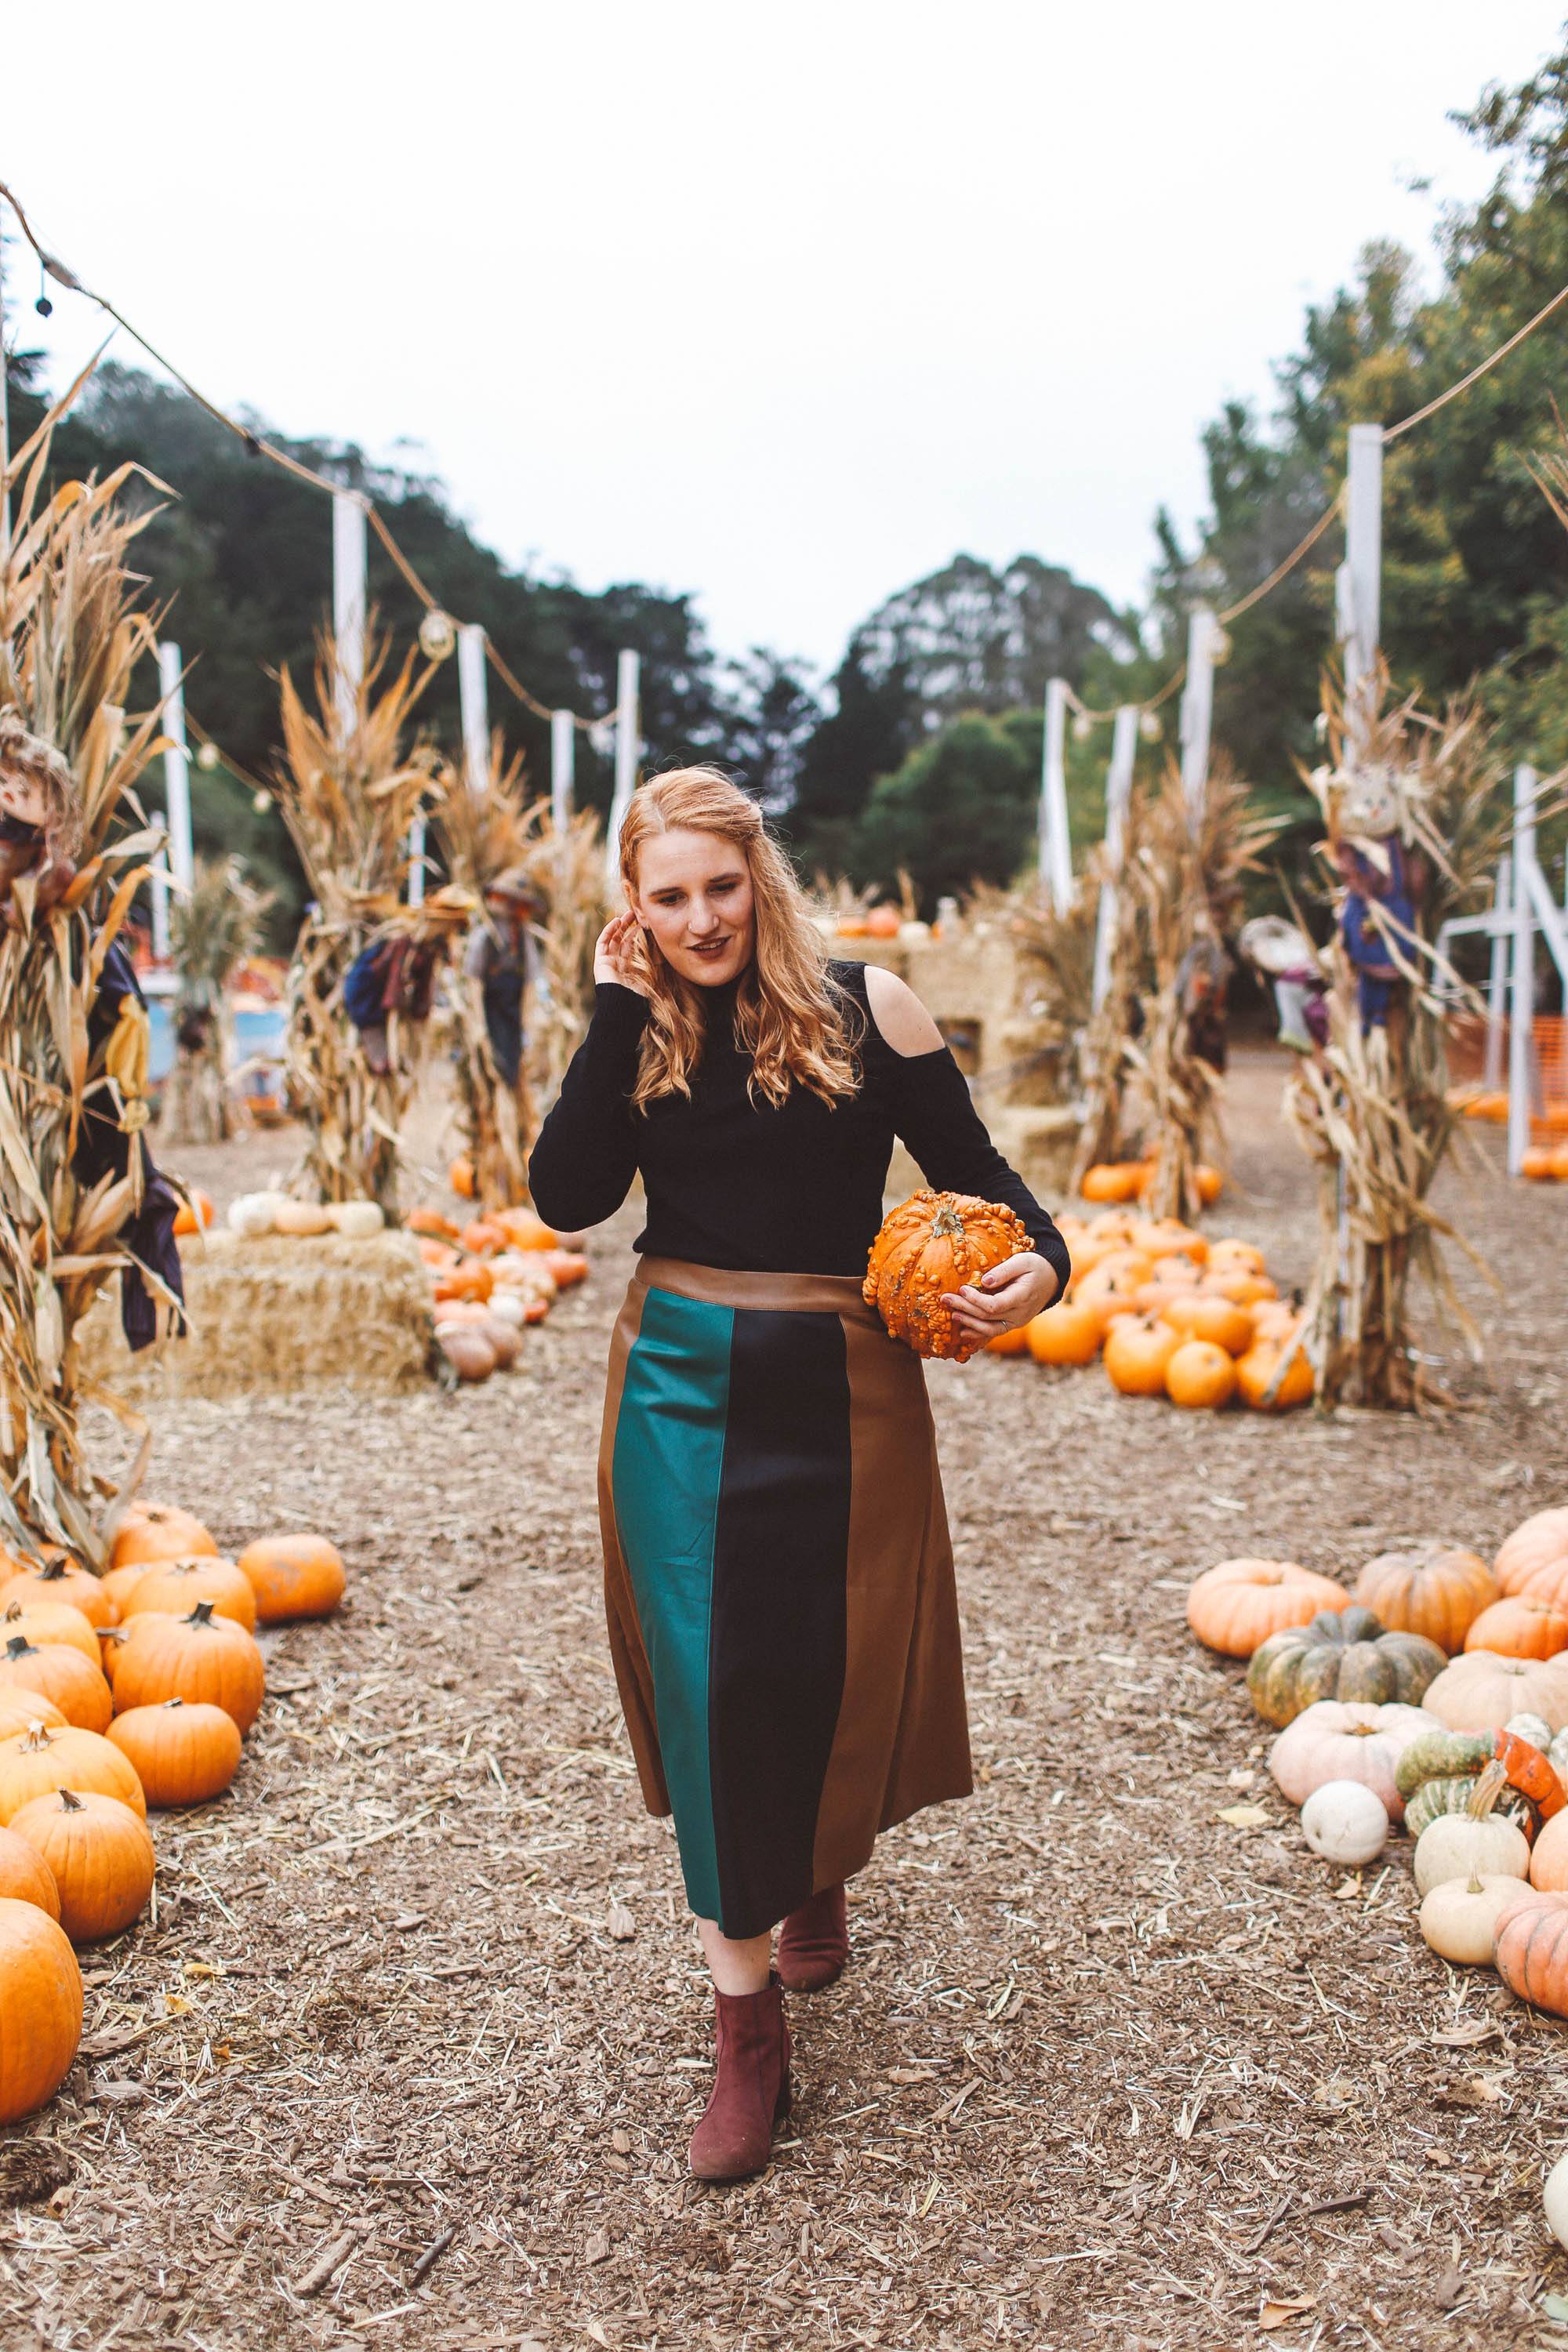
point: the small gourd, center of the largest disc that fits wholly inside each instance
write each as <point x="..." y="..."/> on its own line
<point x="1476" y="1844"/>
<point x="253" y="1213"/>
<point x="1345" y="1821"/>
<point x="1459" y="1915"/>
<point x="302" y="1219"/>
<point x="356" y="1220"/>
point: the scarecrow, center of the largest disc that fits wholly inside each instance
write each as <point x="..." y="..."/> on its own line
<point x="394" y="975"/>
<point x="502" y="957"/>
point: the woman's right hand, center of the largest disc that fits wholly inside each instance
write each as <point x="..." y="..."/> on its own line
<point x="613" y="956"/>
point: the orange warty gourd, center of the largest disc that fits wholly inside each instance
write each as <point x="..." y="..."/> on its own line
<point x="180" y="1754"/>
<point x="77" y="1688"/>
<point x="293" y="1576"/>
<point x="1064" y="1334"/>
<point x="1111" y="1180"/>
<point x="61" y="1579"/>
<point x="1429" y="1590"/>
<point x="25" y="1876"/>
<point x="1520" y="1626"/>
<point x="40" y="2009"/>
<point x="1235" y="1606"/>
<point x="100" y="1853"/>
<point x="51" y="1621"/>
<point x="1199" y="1315"/>
<point x="1534" y="1559"/>
<point x="1137" y="1351"/>
<point x="175" y="1587"/>
<point x="160" y="1531"/>
<point x="1200" y="1376"/>
<point x="1530" y="1947"/>
<point x="1258" y="1369"/>
<point x="38" y="1760"/>
<point x="201" y="1656"/>
<point x="932" y="1245"/>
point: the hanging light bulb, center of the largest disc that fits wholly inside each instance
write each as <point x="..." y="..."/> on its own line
<point x="262" y="802"/>
<point x="208" y="758"/>
<point x="1149" y="727"/>
<point x="43" y="306"/>
<point x="438" y="635"/>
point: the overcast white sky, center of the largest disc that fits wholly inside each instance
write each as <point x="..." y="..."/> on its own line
<point x="781" y="304"/>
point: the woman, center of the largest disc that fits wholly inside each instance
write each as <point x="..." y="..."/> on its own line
<point x="778" y="1578"/>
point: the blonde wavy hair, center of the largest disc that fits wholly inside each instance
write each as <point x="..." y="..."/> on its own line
<point x="791" y="1016"/>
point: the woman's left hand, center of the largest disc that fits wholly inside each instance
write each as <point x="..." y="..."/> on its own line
<point x="1012" y="1294"/>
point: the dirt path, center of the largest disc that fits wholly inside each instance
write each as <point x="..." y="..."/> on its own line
<point x="1105" y="2071"/>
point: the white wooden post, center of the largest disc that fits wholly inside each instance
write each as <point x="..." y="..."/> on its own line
<point x="1118" y="792"/>
<point x="627" y="747"/>
<point x="348" y="601"/>
<point x="1496" y="978"/>
<point x="1522" y="1008"/>
<point x="1056" y="841"/>
<point x="1196" y="725"/>
<point x="475" y="706"/>
<point x="1361" y="581"/>
<point x="562" y="768"/>
<point x="175" y="855"/>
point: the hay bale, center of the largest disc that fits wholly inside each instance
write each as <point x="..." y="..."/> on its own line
<point x="282" y="1313"/>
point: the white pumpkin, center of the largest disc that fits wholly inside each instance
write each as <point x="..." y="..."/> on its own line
<point x="1554" y="2197"/>
<point x="1459" y="1915"/>
<point x="1480" y="1690"/>
<point x="1337" y="1739"/>
<point x="1345" y="1821"/>
<point x="1476" y="1844"/>
<point x="507" y="1306"/>
<point x="301" y="1218"/>
<point x="357" y="1221"/>
<point x="253" y="1214"/>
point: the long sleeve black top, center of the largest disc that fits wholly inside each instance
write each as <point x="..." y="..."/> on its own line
<point x="749" y="1186"/>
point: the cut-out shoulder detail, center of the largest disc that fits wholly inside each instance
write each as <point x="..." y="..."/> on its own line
<point x="901" y="1020"/>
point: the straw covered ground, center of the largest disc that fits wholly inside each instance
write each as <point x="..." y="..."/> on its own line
<point x="408" y="2054"/>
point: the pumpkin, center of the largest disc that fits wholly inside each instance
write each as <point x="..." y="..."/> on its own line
<point x="1275" y="1318"/>
<point x="505" y="1342"/>
<point x="570" y="1267"/>
<point x="1536" y="1163"/>
<point x="431" y="1221"/>
<point x="1238" y="1604"/>
<point x="1478" y="1841"/>
<point x="1559" y="1162"/>
<point x="1230" y="1252"/>
<point x="119" y="1582"/>
<point x="1239" y="1284"/>
<point x="481" y="1238"/>
<point x="928" y="1248"/>
<point x="1341" y="1740"/>
<point x="1459" y="1916"/>
<point x="1275" y="1376"/>
<point x="195" y="1214"/>
<point x="468" y="1351"/>
<point x="1199" y="1315"/>
<point x="1430" y="1590"/>
<point x="437" y="1256"/>
<point x="1067" y="1333"/>
<point x="1549" y="1854"/>
<point x="883" y="923"/>
<point x="19" y="1708"/>
<point x="1113" y="1287"/>
<point x="302" y="1219"/>
<point x="180" y="1754"/>
<point x="61" y="1579"/>
<point x="1345" y="1822"/>
<point x="201" y="1656"/>
<point x="293" y="1576"/>
<point x="1555" y="2201"/>
<point x="25" y="1876"/>
<point x="1137" y="1351"/>
<point x="1534" y="1559"/>
<point x="1210" y="1183"/>
<point x="40" y="2008"/>
<point x="160" y="1531"/>
<point x="1111" y="1180"/>
<point x="470" y="1279"/>
<point x="176" y="1586"/>
<point x="1520" y="1626"/>
<point x="1006" y="1343"/>
<point x="1479" y="1690"/>
<point x="1340" y="1653"/>
<point x="1167" y="1237"/>
<point x="77" y="1688"/>
<point x="48" y="1623"/>
<point x="250" y="1214"/>
<point x="508" y="1307"/>
<point x="1530" y="1947"/>
<point x="100" y="1853"/>
<point x="356" y="1220"/>
<point x="526" y="1229"/>
<point x="460" y="1176"/>
<point x="1200" y="1376"/>
<point x="38" y="1758"/>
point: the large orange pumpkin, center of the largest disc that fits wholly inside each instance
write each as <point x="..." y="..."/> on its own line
<point x="1429" y="1590"/>
<point x="48" y="1622"/>
<point x="77" y="1688"/>
<point x="1530" y="1947"/>
<point x="1066" y="1334"/>
<point x="101" y="1854"/>
<point x="40" y="2008"/>
<point x="180" y="1754"/>
<point x="19" y="1708"/>
<point x="1520" y="1625"/>
<point x="293" y="1576"/>
<point x="1111" y="1180"/>
<point x="1199" y="1315"/>
<point x="1200" y="1376"/>
<point x="25" y="1876"/>
<point x="201" y="1656"/>
<point x="1258" y="1370"/>
<point x="160" y="1531"/>
<point x="933" y="1245"/>
<point x="38" y="1758"/>
<point x="1237" y="1605"/>
<point x="61" y="1579"/>
<point x="176" y="1586"/>
<point x="1534" y="1559"/>
<point x="1137" y="1351"/>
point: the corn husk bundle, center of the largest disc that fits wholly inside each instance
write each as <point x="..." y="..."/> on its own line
<point x="214" y="927"/>
<point x="483" y="836"/>
<point x="349" y="793"/>
<point x="567" y="868"/>
<point x="71" y="634"/>
<point x="1372" y="1110"/>
<point x="1054" y="986"/>
<point x="1104" y="1056"/>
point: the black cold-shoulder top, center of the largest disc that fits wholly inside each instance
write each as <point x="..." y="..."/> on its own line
<point x="749" y="1186"/>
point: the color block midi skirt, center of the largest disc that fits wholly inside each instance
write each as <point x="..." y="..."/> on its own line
<point x="778" y="1580"/>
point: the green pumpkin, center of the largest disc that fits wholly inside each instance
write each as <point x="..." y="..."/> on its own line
<point x="1343" y="1654"/>
<point x="1439" y="1755"/>
<point x="1451" y="1793"/>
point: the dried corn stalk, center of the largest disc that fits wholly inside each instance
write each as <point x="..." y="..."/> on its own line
<point x="71" y="634"/>
<point x="486" y="837"/>
<point x="349" y="793"/>
<point x="1372" y="1110"/>
<point x="214" y="927"/>
<point x="567" y="868"/>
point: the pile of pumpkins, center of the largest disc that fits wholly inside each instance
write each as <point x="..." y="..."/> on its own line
<point x="490" y="1279"/>
<point x="1434" y="1696"/>
<point x="120" y="1693"/>
<point x="1170" y="1314"/>
<point x="253" y="1215"/>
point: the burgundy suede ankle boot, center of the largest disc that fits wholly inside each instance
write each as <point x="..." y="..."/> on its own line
<point x="751" y="2089"/>
<point x="813" y="1942"/>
